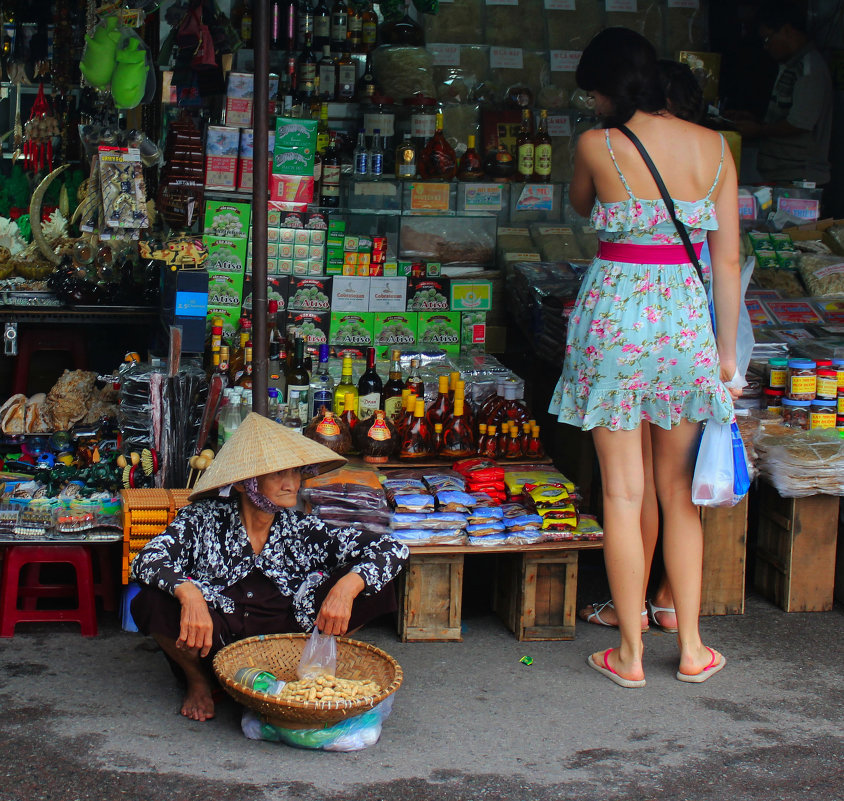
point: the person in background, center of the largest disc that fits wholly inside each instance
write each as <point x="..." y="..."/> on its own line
<point x="683" y="99"/>
<point x="640" y="344"/>
<point x="794" y="135"/>
<point x="241" y="561"/>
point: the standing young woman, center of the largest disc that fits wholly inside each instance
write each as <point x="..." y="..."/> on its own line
<point x="640" y="345"/>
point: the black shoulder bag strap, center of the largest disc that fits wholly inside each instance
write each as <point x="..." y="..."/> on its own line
<point x="681" y="229"/>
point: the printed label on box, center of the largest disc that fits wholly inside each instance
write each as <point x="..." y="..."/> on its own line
<point x="483" y="197"/>
<point x="227" y="219"/>
<point x="388" y="293"/>
<point x="559" y="125"/>
<point x="471" y="295"/>
<point x="559" y="5"/>
<point x="444" y="55"/>
<point x="538" y="197"/>
<point x="692" y="4"/>
<point x="622" y="5"/>
<point x="350" y="295"/>
<point x="506" y="58"/>
<point x="430" y="197"/>
<point x="352" y="329"/>
<point x="440" y="330"/>
<point x="793" y="311"/>
<point x="801" y="207"/>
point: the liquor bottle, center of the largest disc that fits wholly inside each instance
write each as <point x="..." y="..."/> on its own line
<point x="330" y="191"/>
<point x="339" y="26"/>
<point x="458" y="434"/>
<point x="391" y="394"/>
<point x="441" y="407"/>
<point x="272" y="403"/>
<point x="306" y="24"/>
<point x="246" y="24"/>
<point x="542" y="156"/>
<point x="292" y="416"/>
<point x="229" y="419"/>
<point x="524" y="437"/>
<point x="327" y="82"/>
<point x="236" y="361"/>
<point x="322" y="384"/>
<point x="438" y="160"/>
<point x="453" y="378"/>
<point x="471" y="166"/>
<point x="273" y="334"/>
<point x="360" y="158"/>
<point x="437" y="439"/>
<point x="406" y="159"/>
<point x="416" y="437"/>
<point x="482" y="437"/>
<point x="350" y="411"/>
<point x="355" y="35"/>
<point x="322" y="127"/>
<point x="322" y="24"/>
<point x="298" y="380"/>
<point x="346" y="77"/>
<point x="414" y="381"/>
<point x="369" y="28"/>
<point x="365" y="87"/>
<point x="370" y="387"/>
<point x="490" y="400"/>
<point x="490" y="445"/>
<point x="376" y="157"/>
<point x="460" y="394"/>
<point x="223" y="365"/>
<point x="524" y="149"/>
<point x="306" y="72"/>
<point x="535" y="449"/>
<point x="245" y="379"/>
<point x="404" y="31"/>
<point x="345" y="386"/>
<point x="503" y="436"/>
<point x="514" y="409"/>
<point x="409" y="407"/>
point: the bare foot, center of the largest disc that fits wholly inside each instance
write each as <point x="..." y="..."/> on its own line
<point x="198" y="703"/>
<point x="632" y="670"/>
<point x="695" y="662"/>
<point x="604" y="614"/>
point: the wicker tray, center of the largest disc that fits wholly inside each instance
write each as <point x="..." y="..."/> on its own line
<point x="279" y="654"/>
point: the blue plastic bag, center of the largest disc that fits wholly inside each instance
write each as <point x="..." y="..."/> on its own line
<point x="721" y="477"/>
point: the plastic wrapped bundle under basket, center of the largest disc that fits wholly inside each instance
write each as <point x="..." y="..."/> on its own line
<point x="279" y="654"/>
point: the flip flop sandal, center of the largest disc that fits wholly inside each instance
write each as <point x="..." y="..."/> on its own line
<point x="653" y="611"/>
<point x="595" y="615"/>
<point x="715" y="664"/>
<point x="611" y="674"/>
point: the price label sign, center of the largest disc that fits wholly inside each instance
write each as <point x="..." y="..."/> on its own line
<point x="565" y="60"/>
<point x="693" y="4"/>
<point x="429" y="197"/>
<point x="800" y="207"/>
<point x="559" y="125"/>
<point x="506" y="58"/>
<point x="483" y="197"/>
<point x="628" y="6"/>
<point x="445" y="55"/>
<point x="559" y="5"/>
<point x="536" y="197"/>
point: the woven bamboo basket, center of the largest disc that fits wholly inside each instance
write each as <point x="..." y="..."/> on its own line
<point x="279" y="654"/>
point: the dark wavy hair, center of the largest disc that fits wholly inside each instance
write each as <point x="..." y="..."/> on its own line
<point x="683" y="94"/>
<point x="622" y="65"/>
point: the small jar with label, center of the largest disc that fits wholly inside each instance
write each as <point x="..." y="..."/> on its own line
<point x="839" y="422"/>
<point x="795" y="413"/>
<point x="777" y="372"/>
<point x="801" y="380"/>
<point x="838" y="366"/>
<point x="772" y="399"/>
<point x="822" y="414"/>
<point x="827" y="384"/>
<point x="841" y="401"/>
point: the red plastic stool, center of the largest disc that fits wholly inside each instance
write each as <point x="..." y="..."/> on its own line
<point x="32" y="340"/>
<point x="17" y="556"/>
<point x="30" y="588"/>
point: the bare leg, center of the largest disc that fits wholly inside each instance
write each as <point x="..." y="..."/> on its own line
<point x="198" y="703"/>
<point x="622" y="477"/>
<point x="674" y="455"/>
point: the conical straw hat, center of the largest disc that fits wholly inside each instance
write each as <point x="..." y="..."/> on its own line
<point x="261" y="446"/>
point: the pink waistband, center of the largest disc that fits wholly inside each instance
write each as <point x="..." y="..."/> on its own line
<point x="646" y="254"/>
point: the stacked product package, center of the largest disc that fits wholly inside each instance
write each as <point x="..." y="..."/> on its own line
<point x="350" y="497"/>
<point x="429" y="509"/>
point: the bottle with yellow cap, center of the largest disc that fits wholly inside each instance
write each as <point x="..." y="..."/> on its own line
<point x="416" y="441"/>
<point x="346" y="386"/>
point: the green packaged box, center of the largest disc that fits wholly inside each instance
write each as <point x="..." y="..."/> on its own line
<point x="428" y="294"/>
<point x="226" y="219"/>
<point x="336" y="228"/>
<point x="352" y="329"/>
<point x="470" y="295"/>
<point x="225" y="255"/>
<point x="472" y="332"/>
<point x="295" y="132"/>
<point x="334" y="265"/>
<point x="309" y="294"/>
<point x="439" y="330"/>
<point x="394" y="329"/>
<point x="294" y="161"/>
<point x="405" y="268"/>
<point x="311" y="326"/>
<point x="225" y="291"/>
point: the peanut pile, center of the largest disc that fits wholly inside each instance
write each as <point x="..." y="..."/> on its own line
<point x="328" y="688"/>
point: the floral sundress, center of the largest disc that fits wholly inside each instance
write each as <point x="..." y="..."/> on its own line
<point x="640" y="344"/>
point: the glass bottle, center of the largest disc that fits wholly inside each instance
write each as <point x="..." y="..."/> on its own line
<point x="441" y="407"/>
<point x="291" y="25"/>
<point x="322" y="136"/>
<point x="360" y="168"/>
<point x="291" y="418"/>
<point x="453" y="378"/>
<point x="306" y="72"/>
<point x="414" y="381"/>
<point x="330" y="191"/>
<point x="391" y="394"/>
<point x="404" y="31"/>
<point x="376" y="157"/>
<point x="223" y="366"/>
<point x="437" y="439"/>
<point x="471" y="166"/>
<point x="458" y="434"/>
<point x="349" y="411"/>
<point x="245" y="379"/>
<point x="409" y="407"/>
<point x="369" y="28"/>
<point x="272" y="403"/>
<point x="355" y="33"/>
<point x="542" y="155"/>
<point x="345" y="386"/>
<point x="482" y="437"/>
<point x="416" y="440"/>
<point x="347" y="74"/>
<point x="503" y="437"/>
<point x="298" y="380"/>
<point x="230" y="419"/>
<point x="236" y="360"/>
<point x="524" y="149"/>
<point x="322" y="384"/>
<point x="339" y="26"/>
<point x="365" y="87"/>
<point x="322" y="24"/>
<point x="246" y="25"/>
<point x="513" y="448"/>
<point x="524" y="437"/>
<point x="245" y="403"/>
<point x="370" y="387"/>
<point x="535" y="449"/>
<point x="327" y="84"/>
<point x="460" y="393"/>
<point x="438" y="159"/>
<point x="490" y="401"/>
<point x="305" y="24"/>
<point x="490" y="446"/>
<point x="406" y="159"/>
<point x="515" y="410"/>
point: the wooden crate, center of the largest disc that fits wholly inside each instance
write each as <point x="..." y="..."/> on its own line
<point x="535" y="594"/>
<point x="839" y="563"/>
<point x="431" y="598"/>
<point x="724" y="559"/>
<point x="795" y="550"/>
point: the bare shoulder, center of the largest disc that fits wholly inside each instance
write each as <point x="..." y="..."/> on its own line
<point x="590" y="141"/>
<point x="705" y="138"/>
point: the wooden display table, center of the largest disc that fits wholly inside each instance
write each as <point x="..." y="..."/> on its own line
<point x="724" y="559"/>
<point x="534" y="590"/>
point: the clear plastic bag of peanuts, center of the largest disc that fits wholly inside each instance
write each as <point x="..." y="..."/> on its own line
<point x="319" y="657"/>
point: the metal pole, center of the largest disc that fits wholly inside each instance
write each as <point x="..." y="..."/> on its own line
<point x="260" y="195"/>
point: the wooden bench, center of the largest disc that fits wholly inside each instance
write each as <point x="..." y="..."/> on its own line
<point x="534" y="590"/>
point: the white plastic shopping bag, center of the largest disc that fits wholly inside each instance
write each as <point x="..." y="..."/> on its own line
<point x="721" y="477"/>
